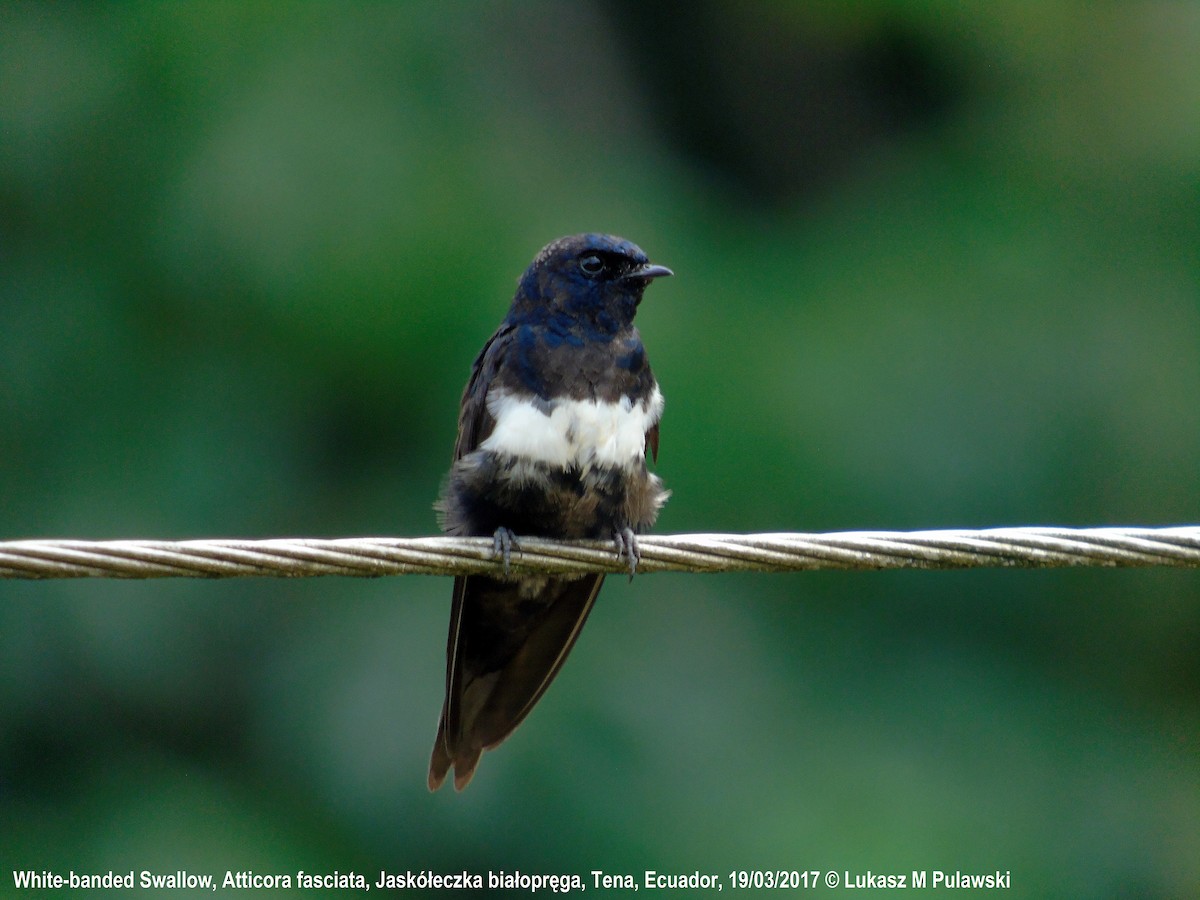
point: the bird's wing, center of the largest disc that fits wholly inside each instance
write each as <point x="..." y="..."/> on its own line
<point x="475" y="423"/>
<point x="501" y="658"/>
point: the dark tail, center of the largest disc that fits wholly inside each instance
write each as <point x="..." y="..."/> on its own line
<point x="508" y="639"/>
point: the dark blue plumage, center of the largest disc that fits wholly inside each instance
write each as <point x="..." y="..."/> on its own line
<point x="554" y="427"/>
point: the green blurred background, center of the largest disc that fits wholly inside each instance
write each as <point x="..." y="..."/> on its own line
<point x="937" y="265"/>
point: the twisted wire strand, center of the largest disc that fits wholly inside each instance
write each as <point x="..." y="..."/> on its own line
<point x="1042" y="547"/>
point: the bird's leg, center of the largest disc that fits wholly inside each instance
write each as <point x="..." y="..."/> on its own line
<point x="503" y="542"/>
<point x="627" y="547"/>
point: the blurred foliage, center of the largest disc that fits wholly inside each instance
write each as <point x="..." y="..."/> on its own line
<point x="936" y="266"/>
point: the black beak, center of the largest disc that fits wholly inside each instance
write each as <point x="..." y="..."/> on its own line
<point x="648" y="271"/>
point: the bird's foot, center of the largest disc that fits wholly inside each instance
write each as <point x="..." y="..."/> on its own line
<point x="503" y="542"/>
<point x="627" y="548"/>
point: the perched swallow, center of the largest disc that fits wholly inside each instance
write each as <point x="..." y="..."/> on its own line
<point x="555" y="422"/>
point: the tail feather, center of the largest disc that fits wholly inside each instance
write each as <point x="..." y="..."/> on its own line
<point x="507" y="642"/>
<point x="441" y="762"/>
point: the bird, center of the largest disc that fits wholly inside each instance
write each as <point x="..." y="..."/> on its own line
<point x="555" y="424"/>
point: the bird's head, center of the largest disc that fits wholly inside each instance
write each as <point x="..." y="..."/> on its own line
<point x="591" y="280"/>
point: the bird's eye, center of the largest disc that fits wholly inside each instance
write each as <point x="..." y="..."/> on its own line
<point x="591" y="266"/>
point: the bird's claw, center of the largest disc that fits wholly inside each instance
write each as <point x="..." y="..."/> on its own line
<point x="627" y="547"/>
<point x="503" y="542"/>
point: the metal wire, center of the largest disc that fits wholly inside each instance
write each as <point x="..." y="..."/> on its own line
<point x="785" y="552"/>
